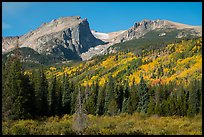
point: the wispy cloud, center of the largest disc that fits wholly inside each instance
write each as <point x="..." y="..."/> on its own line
<point x="5" y="25"/>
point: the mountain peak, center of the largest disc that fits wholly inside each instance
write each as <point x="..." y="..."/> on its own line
<point x="71" y="33"/>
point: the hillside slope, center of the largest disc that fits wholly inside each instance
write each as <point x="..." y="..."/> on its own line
<point x="178" y="62"/>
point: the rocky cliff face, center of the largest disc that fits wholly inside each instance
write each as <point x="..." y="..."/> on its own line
<point x="9" y="43"/>
<point x="57" y="37"/>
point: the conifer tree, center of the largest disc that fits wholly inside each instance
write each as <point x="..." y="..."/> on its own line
<point x="110" y="106"/>
<point x="150" y="109"/>
<point x="172" y="104"/>
<point x="194" y="99"/>
<point x="90" y="107"/>
<point x="134" y="97"/>
<point x="59" y="99"/>
<point x="41" y="92"/>
<point x="91" y="97"/>
<point x="53" y="96"/>
<point x="74" y="93"/>
<point x="143" y="95"/>
<point x="108" y="92"/>
<point x="100" y="101"/>
<point x="66" y="95"/>
<point x="120" y="96"/>
<point x="126" y="100"/>
<point x="17" y="98"/>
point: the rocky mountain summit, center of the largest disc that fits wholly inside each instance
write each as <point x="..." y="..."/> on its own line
<point x="138" y="30"/>
<point x="69" y="34"/>
<point x="72" y="36"/>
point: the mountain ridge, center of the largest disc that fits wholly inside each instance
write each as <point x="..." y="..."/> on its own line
<point x="73" y="33"/>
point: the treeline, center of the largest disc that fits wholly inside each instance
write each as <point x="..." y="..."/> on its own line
<point x="33" y="96"/>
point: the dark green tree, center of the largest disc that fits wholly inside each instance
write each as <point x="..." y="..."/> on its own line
<point x="151" y="105"/>
<point x="53" y="96"/>
<point x="172" y="104"/>
<point x="66" y="95"/>
<point x="110" y="98"/>
<point x="100" y="101"/>
<point x="134" y="97"/>
<point x="126" y="100"/>
<point x="74" y="93"/>
<point x="17" y="99"/>
<point x="194" y="98"/>
<point x="41" y="92"/>
<point x="143" y="96"/>
<point x="120" y="96"/>
<point x="90" y="106"/>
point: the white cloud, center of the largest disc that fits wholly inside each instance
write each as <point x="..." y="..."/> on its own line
<point x="5" y="25"/>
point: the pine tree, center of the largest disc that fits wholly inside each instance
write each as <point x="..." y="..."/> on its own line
<point x="185" y="102"/>
<point x="41" y="92"/>
<point x="91" y="97"/>
<point x="194" y="99"/>
<point x="108" y="92"/>
<point x="158" y="108"/>
<point x="120" y="96"/>
<point x="143" y="95"/>
<point x="172" y="104"/>
<point x="100" y="101"/>
<point x="17" y="98"/>
<point x="59" y="99"/>
<point x="110" y="97"/>
<point x="150" y="109"/>
<point x="90" y="106"/>
<point x="181" y="109"/>
<point x="53" y="96"/>
<point x="134" y="97"/>
<point x="95" y="90"/>
<point x="74" y="93"/>
<point x="66" y="95"/>
<point x="29" y="96"/>
<point x="126" y="100"/>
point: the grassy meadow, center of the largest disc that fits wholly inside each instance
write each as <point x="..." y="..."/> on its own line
<point x="123" y="124"/>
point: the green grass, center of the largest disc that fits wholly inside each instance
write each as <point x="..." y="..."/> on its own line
<point x="123" y="124"/>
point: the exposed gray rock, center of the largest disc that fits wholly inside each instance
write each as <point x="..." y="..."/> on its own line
<point x="139" y="29"/>
<point x="69" y="35"/>
<point x="69" y="32"/>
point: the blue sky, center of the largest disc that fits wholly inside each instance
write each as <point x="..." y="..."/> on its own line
<point x="19" y="18"/>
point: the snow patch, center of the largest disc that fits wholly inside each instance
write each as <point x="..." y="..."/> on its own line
<point x="100" y="35"/>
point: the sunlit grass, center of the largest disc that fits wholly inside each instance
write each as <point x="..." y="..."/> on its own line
<point x="116" y="125"/>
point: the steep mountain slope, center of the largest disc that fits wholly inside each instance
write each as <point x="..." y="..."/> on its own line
<point x="58" y="37"/>
<point x="177" y="62"/>
<point x="153" y="40"/>
<point x="142" y="31"/>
